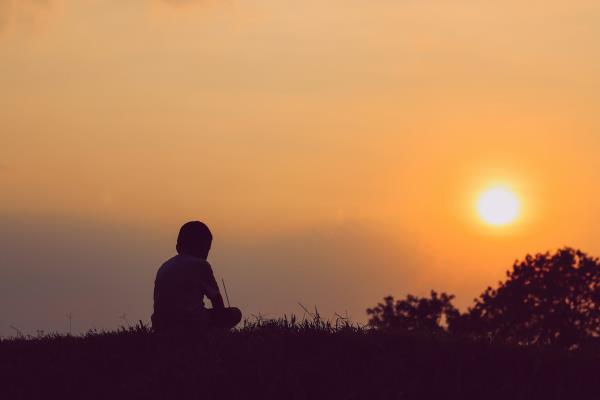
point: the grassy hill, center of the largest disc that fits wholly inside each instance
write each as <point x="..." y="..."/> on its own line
<point x="289" y="360"/>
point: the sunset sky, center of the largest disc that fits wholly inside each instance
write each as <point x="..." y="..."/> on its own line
<point x="337" y="149"/>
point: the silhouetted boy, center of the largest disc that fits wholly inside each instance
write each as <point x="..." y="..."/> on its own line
<point x="183" y="281"/>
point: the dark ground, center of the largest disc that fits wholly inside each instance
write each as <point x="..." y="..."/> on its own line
<point x="280" y="360"/>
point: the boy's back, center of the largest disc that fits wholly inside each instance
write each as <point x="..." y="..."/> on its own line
<point x="180" y="286"/>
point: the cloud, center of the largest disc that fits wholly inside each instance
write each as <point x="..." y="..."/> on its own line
<point x="30" y="15"/>
<point x="24" y="13"/>
<point x="180" y="3"/>
<point x="187" y="5"/>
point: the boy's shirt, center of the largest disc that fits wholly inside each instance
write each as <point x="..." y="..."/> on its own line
<point x="181" y="284"/>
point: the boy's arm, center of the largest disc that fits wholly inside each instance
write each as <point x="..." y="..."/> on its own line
<point x="212" y="290"/>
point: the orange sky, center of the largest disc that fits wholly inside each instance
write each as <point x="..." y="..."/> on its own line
<point x="335" y="148"/>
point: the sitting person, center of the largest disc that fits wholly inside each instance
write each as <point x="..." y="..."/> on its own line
<point x="183" y="281"/>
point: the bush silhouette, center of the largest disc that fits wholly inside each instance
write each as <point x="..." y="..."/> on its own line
<point x="547" y="299"/>
<point x="414" y="313"/>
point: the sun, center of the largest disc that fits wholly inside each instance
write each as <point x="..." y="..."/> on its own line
<point x="498" y="206"/>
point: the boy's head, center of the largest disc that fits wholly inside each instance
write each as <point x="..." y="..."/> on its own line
<point x="194" y="239"/>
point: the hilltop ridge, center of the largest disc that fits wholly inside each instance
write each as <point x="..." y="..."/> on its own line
<point x="289" y="359"/>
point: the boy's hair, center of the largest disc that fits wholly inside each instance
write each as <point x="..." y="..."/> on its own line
<point x="194" y="237"/>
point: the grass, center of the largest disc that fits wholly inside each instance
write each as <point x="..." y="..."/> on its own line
<point x="288" y="359"/>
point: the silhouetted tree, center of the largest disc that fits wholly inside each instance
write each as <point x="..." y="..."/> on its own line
<point x="414" y="313"/>
<point x="547" y="299"/>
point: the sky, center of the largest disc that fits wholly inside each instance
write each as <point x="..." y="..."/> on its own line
<point x="335" y="148"/>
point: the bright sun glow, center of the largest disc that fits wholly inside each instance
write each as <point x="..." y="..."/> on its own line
<point x="498" y="206"/>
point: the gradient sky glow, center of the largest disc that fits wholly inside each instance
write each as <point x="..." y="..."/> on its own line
<point x="335" y="148"/>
